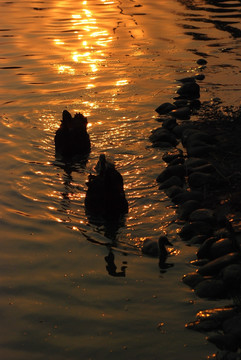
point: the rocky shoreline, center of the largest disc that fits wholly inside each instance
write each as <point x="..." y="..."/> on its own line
<point x="202" y="178"/>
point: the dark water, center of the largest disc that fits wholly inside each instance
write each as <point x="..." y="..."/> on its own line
<point x="114" y="61"/>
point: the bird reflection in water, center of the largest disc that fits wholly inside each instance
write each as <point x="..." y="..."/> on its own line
<point x="112" y="268"/>
<point x="106" y="206"/>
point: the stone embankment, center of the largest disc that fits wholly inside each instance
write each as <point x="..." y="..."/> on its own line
<point x="202" y="178"/>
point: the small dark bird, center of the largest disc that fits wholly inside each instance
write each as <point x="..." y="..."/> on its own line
<point x="105" y="195"/>
<point x="72" y="139"/>
<point x="157" y="249"/>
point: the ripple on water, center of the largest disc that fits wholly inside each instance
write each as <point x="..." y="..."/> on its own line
<point x="115" y="62"/>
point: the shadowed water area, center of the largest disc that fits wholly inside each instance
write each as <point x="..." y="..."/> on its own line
<point x="63" y="295"/>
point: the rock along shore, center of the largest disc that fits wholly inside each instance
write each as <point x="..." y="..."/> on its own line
<point x="203" y="178"/>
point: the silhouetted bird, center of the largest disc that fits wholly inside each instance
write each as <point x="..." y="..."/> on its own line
<point x="72" y="139"/>
<point x="157" y="249"/>
<point x="105" y="195"/>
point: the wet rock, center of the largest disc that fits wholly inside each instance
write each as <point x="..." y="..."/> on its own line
<point x="187" y="208"/>
<point x="204" y="250"/>
<point x="192" y="279"/>
<point x="162" y="144"/>
<point x="220" y="248"/>
<point x="225" y="342"/>
<point x="225" y="355"/>
<point x="189" y="90"/>
<point x="203" y="326"/>
<point x="169" y="124"/>
<point x="215" y="266"/>
<point x="171" y="155"/>
<point x="199" y="179"/>
<point x="206" y="168"/>
<point x="182" y="113"/>
<point x="180" y="103"/>
<point x="172" y="181"/>
<point x="201" y="62"/>
<point x="205" y="215"/>
<point x="195" y="228"/>
<point x="165" y="108"/>
<point x="199" y="150"/>
<point x="199" y="76"/>
<point x="195" y="104"/>
<point x="197" y="136"/>
<point x="177" y="161"/>
<point x="219" y="314"/>
<point x="231" y="276"/>
<point x="187" y="195"/>
<point x="222" y="233"/>
<point x="173" y="191"/>
<point x="199" y="262"/>
<point x="198" y="239"/>
<point x="173" y="170"/>
<point x="211" y="288"/>
<point x="192" y="163"/>
<point x="187" y="131"/>
<point x="161" y="135"/>
<point x="233" y="326"/>
<point x="177" y="131"/>
<point x="187" y="79"/>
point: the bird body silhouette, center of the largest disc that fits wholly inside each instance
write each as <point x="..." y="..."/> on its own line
<point x="72" y="139"/>
<point x="105" y="195"/>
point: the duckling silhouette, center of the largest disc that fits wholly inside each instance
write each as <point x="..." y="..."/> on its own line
<point x="157" y="249"/>
<point x="72" y="139"/>
<point x="105" y="195"/>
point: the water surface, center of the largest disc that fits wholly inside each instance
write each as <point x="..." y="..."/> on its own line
<point x="114" y="61"/>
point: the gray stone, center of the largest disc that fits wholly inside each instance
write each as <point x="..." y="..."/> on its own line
<point x="173" y="191"/>
<point x="173" y="170"/>
<point x="220" y="248"/>
<point x="198" y="239"/>
<point x="204" y="250"/>
<point x="189" y="90"/>
<point x="211" y="288"/>
<point x="201" y="61"/>
<point x="162" y="135"/>
<point x="202" y="215"/>
<point x="198" y="136"/>
<point x="225" y="342"/>
<point x="199" y="76"/>
<point x="199" y="179"/>
<point x="195" y="228"/>
<point x="233" y="326"/>
<point x="187" y="208"/>
<point x="180" y="103"/>
<point x="231" y="276"/>
<point x="172" y="181"/>
<point x="181" y="113"/>
<point x="192" y="279"/>
<point x="169" y="124"/>
<point x="215" y="266"/>
<point x="187" y="195"/>
<point x="199" y="325"/>
<point x="194" y="162"/>
<point x="206" y="168"/>
<point x="199" y="150"/>
<point x="165" y="108"/>
<point x="171" y="155"/>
